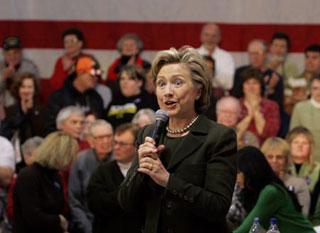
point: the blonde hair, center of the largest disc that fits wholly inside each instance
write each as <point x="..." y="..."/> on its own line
<point x="276" y="143"/>
<point x="300" y="130"/>
<point x="56" y="151"/>
<point x="198" y="69"/>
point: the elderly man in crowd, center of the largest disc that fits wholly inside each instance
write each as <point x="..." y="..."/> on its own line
<point x="13" y="64"/>
<point x="71" y="120"/>
<point x="224" y="63"/>
<point x="228" y="112"/>
<point x="100" y="139"/>
<point x="105" y="182"/>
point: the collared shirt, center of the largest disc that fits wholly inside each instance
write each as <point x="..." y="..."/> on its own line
<point x="224" y="67"/>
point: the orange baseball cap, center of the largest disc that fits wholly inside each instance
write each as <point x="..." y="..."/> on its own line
<point x="88" y="65"/>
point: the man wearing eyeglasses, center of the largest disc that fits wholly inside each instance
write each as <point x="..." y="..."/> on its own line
<point x="104" y="184"/>
<point x="78" y="90"/>
<point x="100" y="140"/>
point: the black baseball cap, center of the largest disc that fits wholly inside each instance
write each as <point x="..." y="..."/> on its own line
<point x="12" y="42"/>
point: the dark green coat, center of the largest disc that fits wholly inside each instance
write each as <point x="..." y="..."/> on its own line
<point x="202" y="177"/>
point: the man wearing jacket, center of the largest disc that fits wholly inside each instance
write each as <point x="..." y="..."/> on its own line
<point x="78" y="90"/>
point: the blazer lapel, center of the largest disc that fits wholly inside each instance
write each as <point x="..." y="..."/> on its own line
<point x="185" y="149"/>
<point x="190" y="143"/>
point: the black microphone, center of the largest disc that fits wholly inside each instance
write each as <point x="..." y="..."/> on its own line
<point x="161" y="121"/>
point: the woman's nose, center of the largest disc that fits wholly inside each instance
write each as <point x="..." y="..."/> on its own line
<point x="168" y="89"/>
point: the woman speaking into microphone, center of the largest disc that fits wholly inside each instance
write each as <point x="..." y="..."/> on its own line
<point x="186" y="183"/>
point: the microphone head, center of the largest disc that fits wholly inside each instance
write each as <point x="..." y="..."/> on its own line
<point x="161" y="115"/>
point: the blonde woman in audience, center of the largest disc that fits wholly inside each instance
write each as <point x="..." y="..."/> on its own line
<point x="38" y="195"/>
<point x="303" y="164"/>
<point x="307" y="113"/>
<point x="277" y="152"/>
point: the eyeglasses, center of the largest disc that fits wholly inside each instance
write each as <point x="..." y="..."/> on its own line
<point x="100" y="137"/>
<point x="122" y="143"/>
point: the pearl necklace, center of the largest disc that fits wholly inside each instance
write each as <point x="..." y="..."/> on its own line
<point x="183" y="130"/>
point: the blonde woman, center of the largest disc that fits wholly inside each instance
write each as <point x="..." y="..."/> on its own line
<point x="276" y="151"/>
<point x="303" y="165"/>
<point x="38" y="194"/>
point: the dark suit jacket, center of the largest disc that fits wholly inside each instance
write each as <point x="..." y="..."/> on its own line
<point x="38" y="200"/>
<point x="102" y="201"/>
<point x="200" y="187"/>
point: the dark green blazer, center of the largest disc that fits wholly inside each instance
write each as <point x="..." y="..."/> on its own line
<point x="199" y="191"/>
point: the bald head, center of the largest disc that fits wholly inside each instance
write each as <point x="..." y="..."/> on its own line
<point x="228" y="110"/>
<point x="210" y="36"/>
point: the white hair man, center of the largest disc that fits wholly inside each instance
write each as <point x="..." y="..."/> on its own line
<point x="100" y="140"/>
<point x="71" y="120"/>
<point x="228" y="112"/>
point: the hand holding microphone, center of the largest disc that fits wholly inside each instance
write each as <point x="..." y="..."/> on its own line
<point x="149" y="162"/>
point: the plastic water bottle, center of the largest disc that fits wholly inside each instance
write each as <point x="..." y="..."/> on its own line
<point x="273" y="226"/>
<point x="256" y="227"/>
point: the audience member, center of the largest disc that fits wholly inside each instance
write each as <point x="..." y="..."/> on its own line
<point x="299" y="91"/>
<point x="7" y="167"/>
<point x="38" y="194"/>
<point x="25" y="118"/>
<point x="311" y="62"/>
<point x="104" y="185"/>
<point x="277" y="153"/>
<point x="149" y="85"/>
<point x="73" y="42"/>
<point x="101" y="137"/>
<point x="265" y="196"/>
<point x="130" y="47"/>
<point x="28" y="150"/>
<point x="273" y="84"/>
<point x="224" y="64"/>
<point x="71" y="121"/>
<point x="89" y="118"/>
<point x="7" y="162"/>
<point x="279" y="60"/>
<point x="14" y="63"/>
<point x="143" y="117"/>
<point x="131" y="97"/>
<point x="301" y="143"/>
<point x="307" y="114"/>
<point x="78" y="90"/>
<point x="228" y="113"/>
<point x="258" y="114"/>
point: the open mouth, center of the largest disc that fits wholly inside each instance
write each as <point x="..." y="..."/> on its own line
<point x="170" y="103"/>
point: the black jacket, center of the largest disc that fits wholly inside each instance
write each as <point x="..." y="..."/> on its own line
<point x="38" y="201"/>
<point x="102" y="201"/>
<point x="68" y="95"/>
<point x="200" y="187"/>
<point x="122" y="109"/>
<point x="29" y="124"/>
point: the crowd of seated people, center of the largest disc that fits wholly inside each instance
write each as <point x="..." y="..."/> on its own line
<point x="273" y="107"/>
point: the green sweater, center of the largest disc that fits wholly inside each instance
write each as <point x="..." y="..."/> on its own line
<point x="274" y="201"/>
